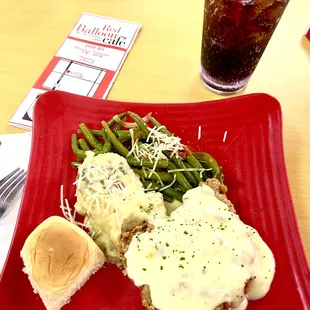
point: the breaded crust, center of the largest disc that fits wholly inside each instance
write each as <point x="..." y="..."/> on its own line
<point x="147" y="300"/>
<point x="220" y="192"/>
<point x="127" y="237"/>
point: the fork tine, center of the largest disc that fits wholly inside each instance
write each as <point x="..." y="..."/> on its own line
<point x="6" y="178"/>
<point x="14" y="191"/>
<point x="10" y="184"/>
<point x="5" y="187"/>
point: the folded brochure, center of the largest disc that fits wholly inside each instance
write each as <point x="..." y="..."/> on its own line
<point x="87" y="62"/>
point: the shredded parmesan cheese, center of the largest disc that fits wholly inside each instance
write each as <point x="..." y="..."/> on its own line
<point x="158" y="177"/>
<point x="199" y="133"/>
<point x="67" y="212"/>
<point x="156" y="144"/>
<point x="169" y="185"/>
<point x="225" y="136"/>
<point x="149" y="187"/>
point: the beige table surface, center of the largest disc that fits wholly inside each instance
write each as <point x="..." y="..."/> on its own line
<point x="163" y="65"/>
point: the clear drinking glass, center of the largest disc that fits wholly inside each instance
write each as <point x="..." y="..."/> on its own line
<point x="235" y="35"/>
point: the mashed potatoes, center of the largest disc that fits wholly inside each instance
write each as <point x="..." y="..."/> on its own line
<point x="112" y="199"/>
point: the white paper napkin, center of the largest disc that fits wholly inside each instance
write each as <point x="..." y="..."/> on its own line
<point x="14" y="152"/>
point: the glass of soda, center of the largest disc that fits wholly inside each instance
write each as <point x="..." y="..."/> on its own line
<point x="234" y="37"/>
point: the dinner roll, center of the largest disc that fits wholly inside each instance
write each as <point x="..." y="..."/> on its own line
<point x="59" y="258"/>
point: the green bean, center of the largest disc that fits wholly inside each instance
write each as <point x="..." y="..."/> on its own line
<point x="140" y="122"/>
<point x="125" y="134"/>
<point x="104" y="148"/>
<point x="97" y="152"/>
<point x="83" y="145"/>
<point x="120" y="148"/>
<point x="208" y="171"/>
<point x="107" y="147"/>
<point x="132" y="161"/>
<point x="181" y="165"/>
<point x="90" y="137"/>
<point x="118" y="126"/>
<point x="112" y="121"/>
<point x="95" y="132"/>
<point x="147" y="184"/>
<point x="98" y="133"/>
<point x="181" y="179"/>
<point x="193" y="161"/>
<point x="179" y="188"/>
<point x="172" y="193"/>
<point x="169" y="191"/>
<point x="81" y="154"/>
<point x="196" y="174"/>
<point x="75" y="147"/>
<point x="158" y="124"/>
<point x="156" y="176"/>
<point x="210" y="163"/>
<point x="168" y="198"/>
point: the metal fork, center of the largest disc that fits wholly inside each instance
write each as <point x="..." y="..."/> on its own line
<point x="10" y="185"/>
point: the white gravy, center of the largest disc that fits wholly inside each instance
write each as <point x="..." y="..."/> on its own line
<point x="201" y="257"/>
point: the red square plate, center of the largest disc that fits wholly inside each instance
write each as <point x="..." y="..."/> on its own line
<point x="254" y="167"/>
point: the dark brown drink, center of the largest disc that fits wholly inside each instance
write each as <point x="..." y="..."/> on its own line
<point x="235" y="35"/>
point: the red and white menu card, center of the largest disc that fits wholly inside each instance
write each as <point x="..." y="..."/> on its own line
<point x="86" y="64"/>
